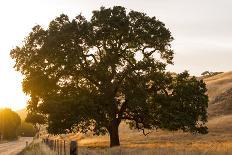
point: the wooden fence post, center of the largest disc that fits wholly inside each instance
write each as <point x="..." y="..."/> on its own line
<point x="55" y="145"/>
<point x="60" y="146"/>
<point x="64" y="148"/>
<point x="49" y="143"/>
<point x="73" y="148"/>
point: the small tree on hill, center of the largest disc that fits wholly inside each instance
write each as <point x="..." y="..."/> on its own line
<point x="92" y="75"/>
<point x="209" y="74"/>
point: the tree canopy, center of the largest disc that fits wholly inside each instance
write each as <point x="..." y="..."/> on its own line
<point x="90" y="75"/>
<point x="9" y="124"/>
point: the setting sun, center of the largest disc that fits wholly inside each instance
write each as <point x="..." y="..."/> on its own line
<point x="19" y="17"/>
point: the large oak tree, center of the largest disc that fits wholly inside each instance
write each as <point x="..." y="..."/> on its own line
<point x="90" y="75"/>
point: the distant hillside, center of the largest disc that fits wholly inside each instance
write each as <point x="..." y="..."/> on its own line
<point x="220" y="94"/>
<point x="22" y="113"/>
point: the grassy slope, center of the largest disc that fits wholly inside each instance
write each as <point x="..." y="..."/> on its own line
<point x="220" y="94"/>
<point x="218" y="84"/>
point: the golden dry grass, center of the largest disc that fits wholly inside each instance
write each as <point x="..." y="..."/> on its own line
<point x="218" y="141"/>
<point x="220" y="100"/>
<point x="208" y="149"/>
<point x="218" y="84"/>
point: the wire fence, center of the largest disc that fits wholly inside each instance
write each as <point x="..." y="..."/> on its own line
<point x="62" y="147"/>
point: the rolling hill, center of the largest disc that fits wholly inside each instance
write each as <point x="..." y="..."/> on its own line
<point x="220" y="95"/>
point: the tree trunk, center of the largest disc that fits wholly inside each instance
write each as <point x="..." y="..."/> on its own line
<point x="114" y="136"/>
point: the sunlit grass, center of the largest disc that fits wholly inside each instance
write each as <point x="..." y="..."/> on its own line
<point x="218" y="141"/>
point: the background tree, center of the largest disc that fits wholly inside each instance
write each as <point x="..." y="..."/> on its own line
<point x="36" y="120"/>
<point x="26" y="130"/>
<point x="92" y="75"/>
<point x="9" y="124"/>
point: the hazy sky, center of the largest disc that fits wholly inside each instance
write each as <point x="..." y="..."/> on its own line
<point x="202" y="30"/>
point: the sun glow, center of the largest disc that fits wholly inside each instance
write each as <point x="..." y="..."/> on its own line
<point x="17" y="20"/>
<point x="197" y="38"/>
<point x="16" y="24"/>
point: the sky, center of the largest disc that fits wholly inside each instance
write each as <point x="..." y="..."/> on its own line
<point x="202" y="30"/>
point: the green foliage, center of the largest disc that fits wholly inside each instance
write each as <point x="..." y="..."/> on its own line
<point x="9" y="123"/>
<point x="26" y="130"/>
<point x="91" y="75"/>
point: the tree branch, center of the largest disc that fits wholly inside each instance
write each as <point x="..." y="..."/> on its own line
<point x="122" y="109"/>
<point x="137" y="124"/>
<point x="93" y="56"/>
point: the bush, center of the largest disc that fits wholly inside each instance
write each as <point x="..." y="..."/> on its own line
<point x="9" y="124"/>
<point x="26" y="130"/>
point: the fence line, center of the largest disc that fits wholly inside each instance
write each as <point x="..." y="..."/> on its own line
<point x="62" y="147"/>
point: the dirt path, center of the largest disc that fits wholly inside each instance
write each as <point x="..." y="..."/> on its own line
<point x="14" y="147"/>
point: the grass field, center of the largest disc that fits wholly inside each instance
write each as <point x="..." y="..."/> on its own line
<point x="218" y="141"/>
